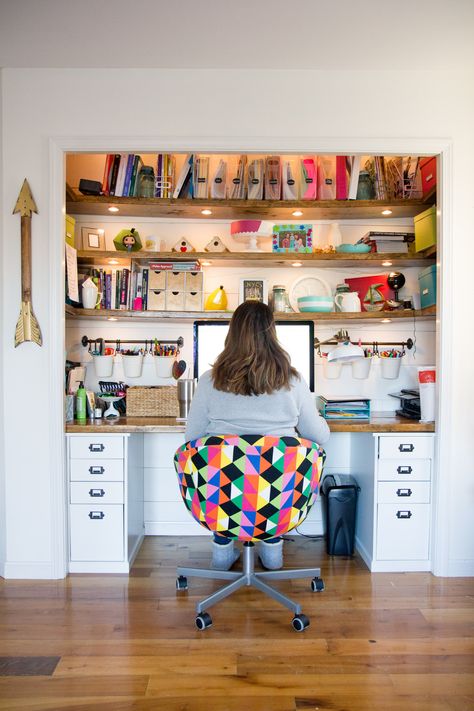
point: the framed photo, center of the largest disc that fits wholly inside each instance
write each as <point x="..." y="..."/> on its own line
<point x="253" y="290"/>
<point x="292" y="238"/>
<point x="92" y="239"/>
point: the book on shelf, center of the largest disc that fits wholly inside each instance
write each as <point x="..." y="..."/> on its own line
<point x="109" y="161"/>
<point x="185" y="177"/>
<point x="388" y="236"/>
<point x="343" y="166"/>
<point x="255" y="178"/>
<point x="219" y="181"/>
<point x="164" y="180"/>
<point x="114" y="173"/>
<point x="192" y="266"/>
<point x="272" y="178"/>
<point x="128" y="175"/>
<point x="145" y="274"/>
<point x="200" y="177"/>
<point x="354" y="177"/>
<point x="121" y="175"/>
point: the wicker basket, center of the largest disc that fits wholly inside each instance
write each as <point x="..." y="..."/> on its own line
<point x="157" y="401"/>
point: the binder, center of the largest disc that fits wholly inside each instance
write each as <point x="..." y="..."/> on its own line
<point x="255" y="175"/>
<point x="200" y="177"/>
<point x="289" y="184"/>
<point x="237" y="188"/>
<point x="272" y="178"/>
<point x="354" y="179"/>
<point x="218" y="183"/>
<point x="326" y="180"/>
<point x="342" y="174"/>
<point x="308" y="179"/>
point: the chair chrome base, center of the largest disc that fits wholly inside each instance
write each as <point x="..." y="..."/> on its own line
<point x="248" y="577"/>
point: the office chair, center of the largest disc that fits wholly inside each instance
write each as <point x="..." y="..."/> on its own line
<point x="249" y="488"/>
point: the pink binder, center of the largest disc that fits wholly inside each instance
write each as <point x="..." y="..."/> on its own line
<point x="341" y="178"/>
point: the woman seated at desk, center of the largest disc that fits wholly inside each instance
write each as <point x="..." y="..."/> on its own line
<point x="252" y="388"/>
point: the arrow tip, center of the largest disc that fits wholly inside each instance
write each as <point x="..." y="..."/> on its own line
<point x="25" y="203"/>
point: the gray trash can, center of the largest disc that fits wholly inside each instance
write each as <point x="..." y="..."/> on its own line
<point x="339" y="503"/>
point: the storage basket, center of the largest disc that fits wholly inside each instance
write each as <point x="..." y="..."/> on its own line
<point x="156" y="401"/>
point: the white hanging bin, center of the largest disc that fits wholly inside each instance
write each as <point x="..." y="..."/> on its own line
<point x="132" y="365"/>
<point x="164" y="365"/>
<point x="361" y="368"/>
<point x="103" y="365"/>
<point x="390" y="367"/>
<point x="332" y="371"/>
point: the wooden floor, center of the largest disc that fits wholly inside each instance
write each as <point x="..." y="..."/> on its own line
<point x="380" y="641"/>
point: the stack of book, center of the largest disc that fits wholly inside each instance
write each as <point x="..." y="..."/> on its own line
<point x="344" y="408"/>
<point x="394" y="242"/>
<point x="164" y="181"/>
<point x="121" y="174"/>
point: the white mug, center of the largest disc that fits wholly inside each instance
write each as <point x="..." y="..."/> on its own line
<point x="348" y="302"/>
<point x="91" y="296"/>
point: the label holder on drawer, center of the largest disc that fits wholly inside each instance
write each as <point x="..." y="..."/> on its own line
<point x="96" y="493"/>
<point x="406" y="447"/>
<point x="96" y="515"/>
<point x="404" y="469"/>
<point x="404" y="492"/>
<point x="96" y="470"/>
<point x="96" y="447"/>
<point x="404" y="514"/>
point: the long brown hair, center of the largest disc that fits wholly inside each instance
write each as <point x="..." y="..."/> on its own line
<point x="252" y="362"/>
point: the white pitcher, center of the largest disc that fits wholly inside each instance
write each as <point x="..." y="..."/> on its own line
<point x="348" y="302"/>
<point x="90" y="294"/>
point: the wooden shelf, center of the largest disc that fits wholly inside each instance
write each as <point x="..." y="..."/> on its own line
<point x="260" y="259"/>
<point x="186" y="208"/>
<point x="189" y="316"/>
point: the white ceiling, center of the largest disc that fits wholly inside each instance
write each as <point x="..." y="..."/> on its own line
<point x="403" y="35"/>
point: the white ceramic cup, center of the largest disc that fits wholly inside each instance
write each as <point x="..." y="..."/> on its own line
<point x="91" y="298"/>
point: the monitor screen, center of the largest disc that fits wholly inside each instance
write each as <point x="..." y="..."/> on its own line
<point x="296" y="337"/>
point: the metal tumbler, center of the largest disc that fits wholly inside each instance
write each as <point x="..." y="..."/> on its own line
<point x="186" y="388"/>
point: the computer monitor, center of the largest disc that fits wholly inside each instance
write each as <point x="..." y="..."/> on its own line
<point x="296" y="337"/>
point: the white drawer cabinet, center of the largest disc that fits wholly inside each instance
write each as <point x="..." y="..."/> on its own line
<point x="394" y="509"/>
<point x="105" y="501"/>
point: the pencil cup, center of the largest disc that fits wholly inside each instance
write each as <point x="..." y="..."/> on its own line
<point x="361" y="368"/>
<point x="163" y="366"/>
<point x="103" y="365"/>
<point x="132" y="365"/>
<point x="331" y="370"/>
<point x="390" y="367"/>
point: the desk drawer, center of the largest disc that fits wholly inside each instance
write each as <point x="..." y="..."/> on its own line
<point x="96" y="447"/>
<point x="96" y="471"/>
<point x="403" y="494"/>
<point x="403" y="531"/>
<point x="96" y="532"/>
<point x="405" y="447"/>
<point x="400" y="470"/>
<point x="104" y="492"/>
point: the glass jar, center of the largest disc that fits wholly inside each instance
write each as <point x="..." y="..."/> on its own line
<point x="365" y="188"/>
<point x="279" y="299"/>
<point x="146" y="182"/>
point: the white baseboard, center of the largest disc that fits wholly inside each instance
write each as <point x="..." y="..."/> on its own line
<point x="28" y="571"/>
<point x="98" y="567"/>
<point x="401" y="566"/>
<point x="461" y="568"/>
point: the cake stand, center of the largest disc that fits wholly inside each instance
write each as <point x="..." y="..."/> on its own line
<point x="110" y="400"/>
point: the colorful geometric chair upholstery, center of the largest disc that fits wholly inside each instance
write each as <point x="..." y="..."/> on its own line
<point x="249" y="488"/>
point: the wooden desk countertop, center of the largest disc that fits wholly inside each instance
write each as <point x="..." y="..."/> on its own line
<point x="379" y="422"/>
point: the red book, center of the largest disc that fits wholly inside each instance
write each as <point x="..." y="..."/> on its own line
<point x="341" y="178"/>
<point x="108" y="165"/>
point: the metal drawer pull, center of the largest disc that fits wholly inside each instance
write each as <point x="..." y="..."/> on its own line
<point x="96" y="514"/>
<point x="406" y="447"/>
<point x="404" y="514"/>
<point x="96" y="492"/>
<point x="96" y="447"/>
<point x="404" y="492"/>
<point x="404" y="470"/>
<point x="96" y="470"/>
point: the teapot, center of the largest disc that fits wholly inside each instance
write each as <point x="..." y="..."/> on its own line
<point x="91" y="295"/>
<point x="348" y="302"/>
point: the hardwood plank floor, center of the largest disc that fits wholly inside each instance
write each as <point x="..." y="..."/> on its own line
<point x="391" y="641"/>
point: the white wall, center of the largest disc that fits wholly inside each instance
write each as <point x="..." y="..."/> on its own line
<point x="2" y="418"/>
<point x="226" y="110"/>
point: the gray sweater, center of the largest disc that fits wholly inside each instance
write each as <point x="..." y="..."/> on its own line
<point x="284" y="412"/>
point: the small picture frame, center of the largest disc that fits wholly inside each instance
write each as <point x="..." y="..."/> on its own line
<point x="92" y="239"/>
<point x="253" y="290"/>
<point x="292" y="238"/>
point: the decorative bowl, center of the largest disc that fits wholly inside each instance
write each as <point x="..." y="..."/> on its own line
<point x="357" y="248"/>
<point x="374" y="307"/>
<point x="321" y="304"/>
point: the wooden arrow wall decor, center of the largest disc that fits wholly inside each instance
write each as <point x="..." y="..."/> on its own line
<point x="27" y="327"/>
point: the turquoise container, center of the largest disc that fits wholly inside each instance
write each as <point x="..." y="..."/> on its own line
<point x="427" y="282"/>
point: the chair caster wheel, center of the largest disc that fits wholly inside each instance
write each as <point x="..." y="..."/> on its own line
<point x="317" y="585"/>
<point x="300" y="622"/>
<point x="181" y="583"/>
<point x="203" y="620"/>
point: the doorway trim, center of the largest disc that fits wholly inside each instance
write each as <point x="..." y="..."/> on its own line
<point x="442" y="147"/>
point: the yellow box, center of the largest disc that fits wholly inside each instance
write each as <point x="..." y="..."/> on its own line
<point x="71" y="230"/>
<point x="425" y="229"/>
